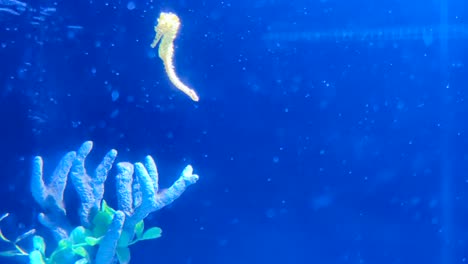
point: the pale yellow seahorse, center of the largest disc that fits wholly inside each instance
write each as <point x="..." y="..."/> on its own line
<point x="166" y="31"/>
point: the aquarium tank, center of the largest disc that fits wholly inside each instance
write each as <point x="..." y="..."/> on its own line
<point x="227" y="132"/>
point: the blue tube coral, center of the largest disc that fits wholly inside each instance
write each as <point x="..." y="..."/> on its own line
<point x="105" y="234"/>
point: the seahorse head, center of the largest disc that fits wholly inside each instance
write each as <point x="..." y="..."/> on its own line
<point x="168" y="23"/>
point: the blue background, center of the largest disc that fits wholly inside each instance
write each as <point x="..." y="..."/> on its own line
<point x="327" y="149"/>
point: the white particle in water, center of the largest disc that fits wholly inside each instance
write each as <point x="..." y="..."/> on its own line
<point x="131" y="5"/>
<point x="275" y="159"/>
<point x="115" y="95"/>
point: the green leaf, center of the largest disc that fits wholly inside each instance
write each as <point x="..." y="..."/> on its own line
<point x="25" y="235"/>
<point x="139" y="227"/>
<point x="35" y="257"/>
<point x="2" y="237"/>
<point x="5" y="215"/>
<point x="78" y="235"/>
<point x="80" y="251"/>
<point x="101" y="223"/>
<point x="92" y="241"/>
<point x="106" y="208"/>
<point x="63" y="244"/>
<point x="123" y="254"/>
<point x="82" y="261"/>
<point x="124" y="240"/>
<point x="39" y="244"/>
<point x="21" y="251"/>
<point x="152" y="233"/>
<point x="10" y="253"/>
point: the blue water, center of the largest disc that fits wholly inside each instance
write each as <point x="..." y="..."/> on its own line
<point x="326" y="132"/>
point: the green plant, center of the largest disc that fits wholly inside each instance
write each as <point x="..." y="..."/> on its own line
<point x="18" y="250"/>
<point x="79" y="247"/>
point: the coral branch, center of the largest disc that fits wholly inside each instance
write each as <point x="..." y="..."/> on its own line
<point x="90" y="189"/>
<point x="146" y="196"/>
<point x="50" y="196"/>
<point x="106" y="252"/>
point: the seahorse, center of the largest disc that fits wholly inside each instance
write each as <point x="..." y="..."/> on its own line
<point x="166" y="32"/>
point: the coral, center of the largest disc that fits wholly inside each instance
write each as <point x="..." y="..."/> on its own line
<point x="166" y="32"/>
<point x="105" y="234"/>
